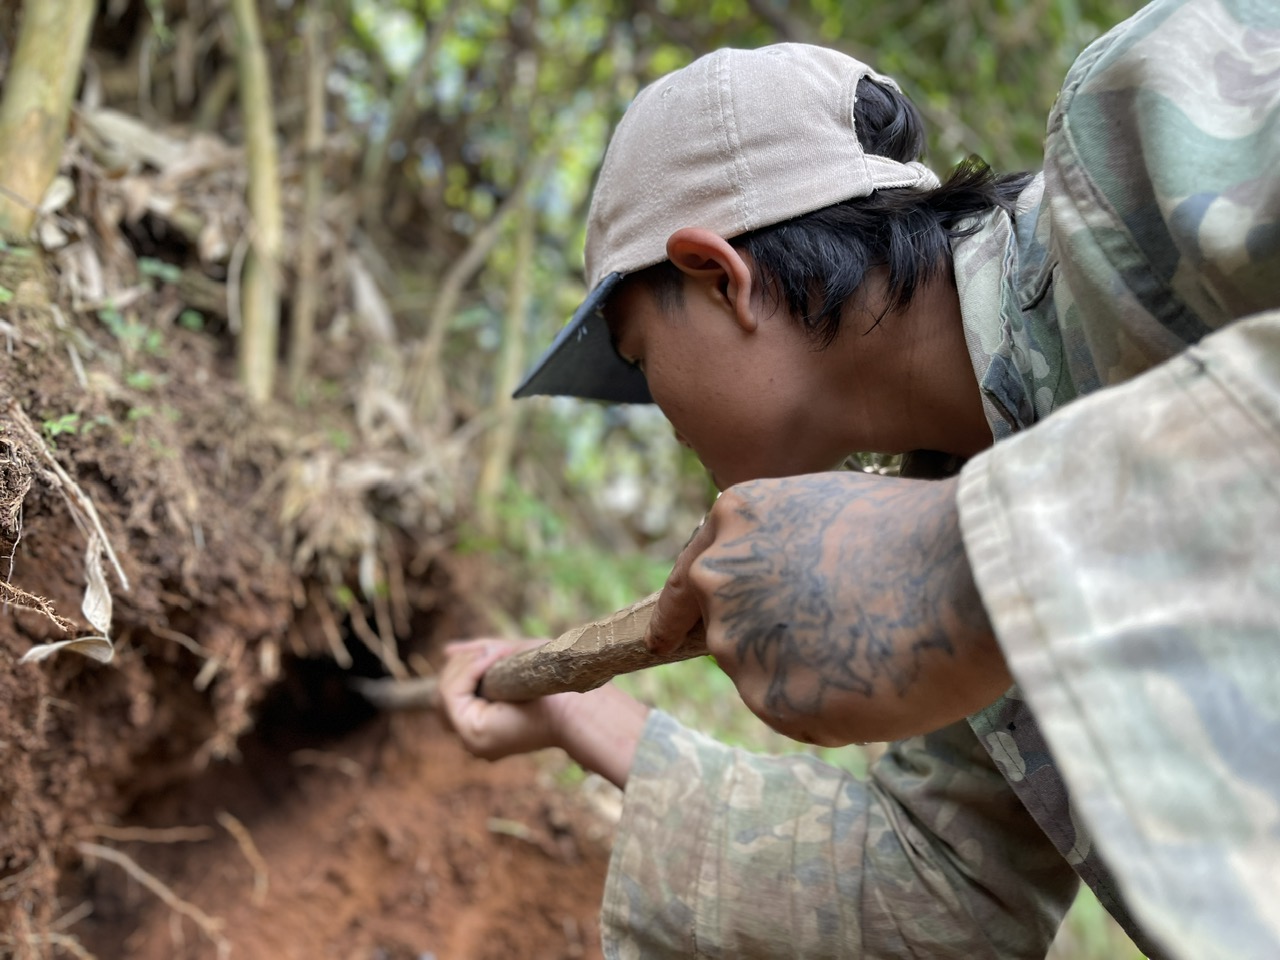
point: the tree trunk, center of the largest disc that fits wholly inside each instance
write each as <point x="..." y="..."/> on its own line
<point x="302" y="325"/>
<point x="260" y="311"/>
<point x="39" y="89"/>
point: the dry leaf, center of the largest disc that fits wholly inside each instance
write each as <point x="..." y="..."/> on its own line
<point x="370" y="305"/>
<point x="96" y="605"/>
<point x="132" y="140"/>
<point x="95" y="648"/>
<point x="59" y="194"/>
<point x="51" y="236"/>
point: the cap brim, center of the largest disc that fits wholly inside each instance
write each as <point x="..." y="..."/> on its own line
<point x="582" y="362"/>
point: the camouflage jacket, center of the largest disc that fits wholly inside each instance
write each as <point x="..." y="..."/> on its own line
<point x="1123" y="549"/>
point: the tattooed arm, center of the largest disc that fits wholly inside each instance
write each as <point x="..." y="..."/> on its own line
<point x="841" y="604"/>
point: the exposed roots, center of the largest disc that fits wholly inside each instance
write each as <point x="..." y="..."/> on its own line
<point x="211" y="927"/>
<point x="14" y="596"/>
<point x="244" y="839"/>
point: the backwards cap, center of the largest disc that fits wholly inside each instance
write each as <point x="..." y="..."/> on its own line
<point x="736" y="141"/>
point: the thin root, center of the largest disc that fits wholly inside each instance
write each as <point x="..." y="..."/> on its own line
<point x="330" y="761"/>
<point x="211" y="927"/>
<point x="82" y="508"/>
<point x="70" y="944"/>
<point x="261" y="879"/>
<point x="17" y="597"/>
<point x="150" y="835"/>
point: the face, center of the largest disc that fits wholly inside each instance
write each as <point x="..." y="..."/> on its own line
<point x="751" y="403"/>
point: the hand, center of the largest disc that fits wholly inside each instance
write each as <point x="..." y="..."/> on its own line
<point x="841" y="604"/>
<point x="598" y="729"/>
<point x="493" y="730"/>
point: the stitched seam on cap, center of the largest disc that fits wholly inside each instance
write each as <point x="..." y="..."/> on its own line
<point x="740" y="181"/>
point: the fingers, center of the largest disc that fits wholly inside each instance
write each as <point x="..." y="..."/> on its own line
<point x="489" y="730"/>
<point x="466" y="663"/>
<point x="679" y="608"/>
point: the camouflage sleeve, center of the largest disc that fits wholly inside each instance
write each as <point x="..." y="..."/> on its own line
<point x="1162" y="199"/>
<point x="722" y="853"/>
<point x="1127" y="552"/>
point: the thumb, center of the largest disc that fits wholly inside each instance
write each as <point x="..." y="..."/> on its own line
<point x="679" y="608"/>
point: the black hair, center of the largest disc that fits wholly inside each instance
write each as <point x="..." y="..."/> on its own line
<point x="816" y="262"/>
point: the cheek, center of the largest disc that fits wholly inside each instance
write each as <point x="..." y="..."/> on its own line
<point x="738" y="434"/>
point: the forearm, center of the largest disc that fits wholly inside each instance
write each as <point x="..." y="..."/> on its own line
<point x="599" y="730"/>
<point x="843" y="606"/>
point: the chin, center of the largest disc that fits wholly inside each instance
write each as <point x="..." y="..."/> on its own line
<point x="723" y="481"/>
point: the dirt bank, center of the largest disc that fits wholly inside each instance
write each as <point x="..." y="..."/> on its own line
<point x="245" y="563"/>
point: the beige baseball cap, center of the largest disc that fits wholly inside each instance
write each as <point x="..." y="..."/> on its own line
<point x="736" y="141"/>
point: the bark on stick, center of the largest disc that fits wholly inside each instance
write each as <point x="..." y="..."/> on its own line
<point x="581" y="659"/>
<point x="584" y="658"/>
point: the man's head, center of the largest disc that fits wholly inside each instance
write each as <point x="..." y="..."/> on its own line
<point x="774" y="189"/>
<point x="736" y="141"/>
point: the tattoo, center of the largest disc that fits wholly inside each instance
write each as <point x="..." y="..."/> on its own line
<point x="841" y="585"/>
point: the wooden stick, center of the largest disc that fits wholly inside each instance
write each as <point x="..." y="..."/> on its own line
<point x="581" y="659"/>
<point x="584" y="658"/>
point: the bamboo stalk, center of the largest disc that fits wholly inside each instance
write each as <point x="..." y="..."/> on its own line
<point x="260" y="311"/>
<point x="38" y="92"/>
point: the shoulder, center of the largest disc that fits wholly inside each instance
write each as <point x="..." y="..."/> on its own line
<point x="1160" y="161"/>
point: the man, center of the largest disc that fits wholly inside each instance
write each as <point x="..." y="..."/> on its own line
<point x="791" y="285"/>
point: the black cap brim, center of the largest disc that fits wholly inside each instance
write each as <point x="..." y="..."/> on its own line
<point x="582" y="362"/>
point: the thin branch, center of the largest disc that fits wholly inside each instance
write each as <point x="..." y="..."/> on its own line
<point x="68" y="943"/>
<point x="181" y="639"/>
<point x="423" y="384"/>
<point x="378" y="646"/>
<point x="11" y="595"/>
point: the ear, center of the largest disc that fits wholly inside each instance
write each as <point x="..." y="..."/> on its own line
<point x="712" y="261"/>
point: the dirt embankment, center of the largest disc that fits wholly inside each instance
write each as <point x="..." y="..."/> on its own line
<point x="216" y="789"/>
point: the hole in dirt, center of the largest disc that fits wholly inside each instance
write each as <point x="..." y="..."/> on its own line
<point x="314" y="702"/>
